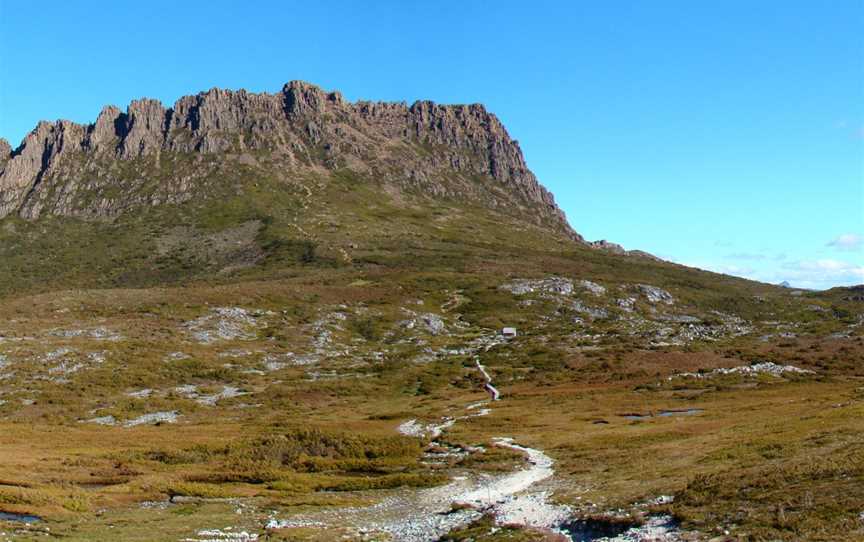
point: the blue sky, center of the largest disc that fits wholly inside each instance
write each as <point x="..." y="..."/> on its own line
<point x="723" y="134"/>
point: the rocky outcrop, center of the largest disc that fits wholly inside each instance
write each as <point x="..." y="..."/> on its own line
<point x="5" y="151"/>
<point x="615" y="248"/>
<point x="443" y="150"/>
<point x="607" y="246"/>
<point x="34" y="160"/>
<point x="105" y="134"/>
<point x="144" y="129"/>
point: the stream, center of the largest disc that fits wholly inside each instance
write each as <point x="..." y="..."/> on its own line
<point x="19" y="518"/>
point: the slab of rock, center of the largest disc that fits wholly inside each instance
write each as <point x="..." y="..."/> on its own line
<point x="548" y="286"/>
<point x="656" y="295"/>
<point x="592" y="287"/>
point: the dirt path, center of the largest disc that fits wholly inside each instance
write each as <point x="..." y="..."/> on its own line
<point x="493" y="391"/>
<point x="427" y="514"/>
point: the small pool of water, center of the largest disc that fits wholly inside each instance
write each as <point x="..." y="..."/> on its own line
<point x="665" y="414"/>
<point x="660" y="527"/>
<point x="686" y="412"/>
<point x="21" y="518"/>
<point x="588" y="530"/>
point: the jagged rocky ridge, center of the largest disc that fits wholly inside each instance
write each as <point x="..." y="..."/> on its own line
<point x="150" y="154"/>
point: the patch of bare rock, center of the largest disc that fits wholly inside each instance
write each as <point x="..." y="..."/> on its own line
<point x="225" y="324"/>
<point x="146" y="419"/>
<point x="763" y="368"/>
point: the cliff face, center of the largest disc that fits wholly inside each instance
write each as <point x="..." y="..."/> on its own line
<point x="136" y="157"/>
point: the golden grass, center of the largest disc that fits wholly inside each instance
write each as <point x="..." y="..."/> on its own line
<point x="333" y="442"/>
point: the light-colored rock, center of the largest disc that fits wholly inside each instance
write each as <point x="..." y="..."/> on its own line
<point x="550" y="286"/>
<point x="103" y="420"/>
<point x="766" y="368"/>
<point x="656" y="295"/>
<point x="592" y="287"/>
<point x="224" y="324"/>
<point x="154" y="418"/>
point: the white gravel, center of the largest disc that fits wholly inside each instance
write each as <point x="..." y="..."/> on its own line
<point x="506" y="497"/>
<point x="532" y="510"/>
<point x="489" y="494"/>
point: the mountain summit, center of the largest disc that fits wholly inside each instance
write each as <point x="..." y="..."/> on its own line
<point x="150" y="154"/>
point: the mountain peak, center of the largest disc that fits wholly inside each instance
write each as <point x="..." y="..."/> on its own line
<point x="460" y="151"/>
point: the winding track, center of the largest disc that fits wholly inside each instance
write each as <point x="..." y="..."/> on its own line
<point x="427" y="514"/>
<point x="493" y="391"/>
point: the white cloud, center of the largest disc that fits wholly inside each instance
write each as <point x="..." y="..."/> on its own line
<point x="847" y="241"/>
<point x="824" y="269"/>
<point x="823" y="273"/>
<point x="819" y="274"/>
<point x="827" y="265"/>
